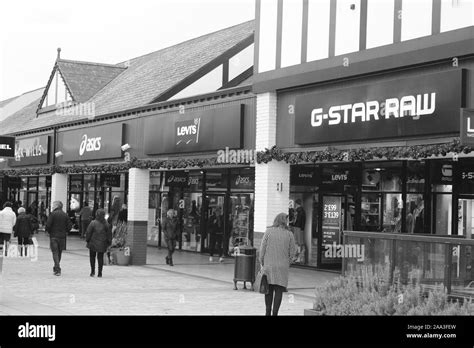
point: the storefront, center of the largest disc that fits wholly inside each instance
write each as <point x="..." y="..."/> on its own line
<point x="354" y="166"/>
<point x="196" y="194"/>
<point x="30" y="191"/>
<point x="93" y="146"/>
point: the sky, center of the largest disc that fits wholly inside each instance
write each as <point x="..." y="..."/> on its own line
<point x="103" y="31"/>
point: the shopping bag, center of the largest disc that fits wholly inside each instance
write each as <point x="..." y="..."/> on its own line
<point x="261" y="282"/>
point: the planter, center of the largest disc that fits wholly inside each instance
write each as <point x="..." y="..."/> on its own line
<point x="121" y="257"/>
<point x="311" y="312"/>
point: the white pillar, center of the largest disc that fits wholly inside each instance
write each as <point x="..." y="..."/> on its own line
<point x="138" y="192"/>
<point x="59" y="189"/>
<point x="272" y="180"/>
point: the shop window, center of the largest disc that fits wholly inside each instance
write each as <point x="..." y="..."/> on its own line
<point x="291" y="32"/>
<point x="318" y="29"/>
<point x="302" y="222"/>
<point x="456" y="14"/>
<point x="416" y="18"/>
<point x="380" y="17"/>
<point x="415" y="176"/>
<point x="33" y="183"/>
<point x="442" y="210"/>
<point x="241" y="62"/>
<point x="267" y="35"/>
<point x="347" y="26"/>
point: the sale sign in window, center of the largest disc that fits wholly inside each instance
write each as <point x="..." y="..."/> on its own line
<point x="331" y="224"/>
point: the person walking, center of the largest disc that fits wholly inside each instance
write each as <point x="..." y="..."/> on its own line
<point x="34" y="220"/>
<point x="216" y="232"/>
<point x="85" y="217"/>
<point x="58" y="226"/>
<point x="7" y="221"/>
<point x="170" y="226"/>
<point x="23" y="230"/>
<point x="98" y="238"/>
<point x="277" y="251"/>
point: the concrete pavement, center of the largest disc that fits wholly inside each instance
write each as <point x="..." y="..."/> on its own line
<point x="194" y="286"/>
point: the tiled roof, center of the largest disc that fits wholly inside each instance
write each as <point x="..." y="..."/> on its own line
<point x="150" y="75"/>
<point x="10" y="106"/>
<point x="86" y="79"/>
<point x="145" y="78"/>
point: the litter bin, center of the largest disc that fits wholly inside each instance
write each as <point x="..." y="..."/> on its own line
<point x="244" y="270"/>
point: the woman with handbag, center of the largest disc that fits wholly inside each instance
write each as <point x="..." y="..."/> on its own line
<point x="277" y="251"/>
<point x="98" y="238"/>
<point x="23" y="230"/>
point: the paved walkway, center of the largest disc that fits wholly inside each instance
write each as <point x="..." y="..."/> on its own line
<point x="194" y="286"/>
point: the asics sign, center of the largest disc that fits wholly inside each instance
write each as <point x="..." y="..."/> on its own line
<point x="414" y="106"/>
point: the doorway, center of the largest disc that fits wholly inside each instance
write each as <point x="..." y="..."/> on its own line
<point x="466" y="217"/>
<point x="336" y="214"/>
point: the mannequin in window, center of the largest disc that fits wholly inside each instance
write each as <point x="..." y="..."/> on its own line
<point x="418" y="216"/>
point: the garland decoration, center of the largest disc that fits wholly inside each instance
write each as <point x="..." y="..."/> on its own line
<point x="331" y="154"/>
<point x="181" y="163"/>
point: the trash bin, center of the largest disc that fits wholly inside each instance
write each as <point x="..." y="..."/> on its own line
<point x="244" y="270"/>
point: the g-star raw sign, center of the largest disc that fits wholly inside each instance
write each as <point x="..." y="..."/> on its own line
<point x="31" y="151"/>
<point x="101" y="142"/>
<point x="202" y="130"/>
<point x="421" y="105"/>
<point x="7" y="146"/>
<point x="467" y="126"/>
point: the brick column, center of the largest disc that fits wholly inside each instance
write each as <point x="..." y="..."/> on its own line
<point x="268" y="200"/>
<point x="138" y="186"/>
<point x="59" y="189"/>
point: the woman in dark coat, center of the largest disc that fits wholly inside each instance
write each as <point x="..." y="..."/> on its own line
<point x="23" y="229"/>
<point x="98" y="238"/>
<point x="277" y="252"/>
<point x="170" y="226"/>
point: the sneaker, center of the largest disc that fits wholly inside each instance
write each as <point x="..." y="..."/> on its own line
<point x="221" y="259"/>
<point x="211" y="259"/>
<point x="92" y="274"/>
<point x="57" y="274"/>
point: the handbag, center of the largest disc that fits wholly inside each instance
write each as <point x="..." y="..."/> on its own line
<point x="261" y="282"/>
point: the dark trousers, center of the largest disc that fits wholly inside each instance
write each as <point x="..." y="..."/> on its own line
<point x="84" y="225"/>
<point x="23" y="244"/>
<point x="274" y="297"/>
<point x="5" y="237"/>
<point x="57" y="246"/>
<point x="100" y="261"/>
<point x="171" y="243"/>
<point x="216" y="243"/>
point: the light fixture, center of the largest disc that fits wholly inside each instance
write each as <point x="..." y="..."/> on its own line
<point x="125" y="147"/>
<point x="2" y="159"/>
<point x="58" y="154"/>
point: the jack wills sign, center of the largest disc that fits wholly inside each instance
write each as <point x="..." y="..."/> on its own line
<point x="101" y="142"/>
<point x="195" y="131"/>
<point x="421" y="105"/>
<point x="30" y="151"/>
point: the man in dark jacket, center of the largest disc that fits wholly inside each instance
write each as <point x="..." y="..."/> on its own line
<point x="23" y="230"/>
<point x="58" y="226"/>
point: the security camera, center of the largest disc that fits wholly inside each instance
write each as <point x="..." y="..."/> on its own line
<point x="125" y="147"/>
<point x="58" y="154"/>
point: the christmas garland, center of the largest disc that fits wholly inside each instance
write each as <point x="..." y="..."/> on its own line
<point x="363" y="154"/>
<point x="275" y="153"/>
<point x="114" y="167"/>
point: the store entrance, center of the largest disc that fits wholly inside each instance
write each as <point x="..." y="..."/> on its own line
<point x="215" y="204"/>
<point x="466" y="216"/>
<point x="337" y="214"/>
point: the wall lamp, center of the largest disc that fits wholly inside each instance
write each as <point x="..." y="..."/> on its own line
<point x="125" y="147"/>
<point x="58" y="154"/>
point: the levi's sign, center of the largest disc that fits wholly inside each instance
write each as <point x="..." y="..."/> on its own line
<point x="92" y="143"/>
<point x="421" y="105"/>
<point x="467" y="126"/>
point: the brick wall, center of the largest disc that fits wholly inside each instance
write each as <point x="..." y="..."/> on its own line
<point x="268" y="201"/>
<point x="138" y="192"/>
<point x="59" y="189"/>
